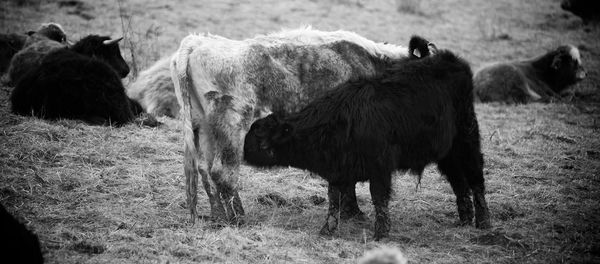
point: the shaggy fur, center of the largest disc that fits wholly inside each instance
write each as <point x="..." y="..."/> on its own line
<point x="47" y="38"/>
<point x="154" y="90"/>
<point x="538" y="79"/>
<point x="83" y="82"/>
<point x="588" y="10"/>
<point x="419" y="112"/>
<point x="280" y="72"/>
<point x="10" y="44"/>
<point x="384" y="255"/>
<point x="17" y="244"/>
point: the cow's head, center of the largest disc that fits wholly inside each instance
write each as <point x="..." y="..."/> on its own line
<point x="585" y="9"/>
<point x="105" y="49"/>
<point x="419" y="47"/>
<point x="566" y="66"/>
<point x="264" y="141"/>
<point x="52" y="31"/>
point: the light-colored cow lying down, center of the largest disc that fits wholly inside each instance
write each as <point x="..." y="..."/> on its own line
<point x="223" y="85"/>
<point x="154" y="89"/>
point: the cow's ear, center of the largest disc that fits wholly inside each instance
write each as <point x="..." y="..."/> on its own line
<point x="286" y="131"/>
<point x="556" y="61"/>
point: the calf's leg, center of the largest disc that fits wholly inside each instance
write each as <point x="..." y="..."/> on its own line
<point x="473" y="169"/>
<point x="450" y="167"/>
<point x="333" y="215"/>
<point x="349" y="204"/>
<point x="380" y="194"/>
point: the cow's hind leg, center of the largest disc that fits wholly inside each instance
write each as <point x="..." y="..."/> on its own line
<point x="472" y="164"/>
<point x="349" y="204"/>
<point x="224" y="173"/>
<point x="190" y="169"/>
<point x="227" y="134"/>
<point x="380" y="189"/>
<point x="450" y="166"/>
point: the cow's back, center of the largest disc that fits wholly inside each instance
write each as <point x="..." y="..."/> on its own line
<point x="502" y="82"/>
<point x="287" y="77"/>
<point x="277" y="75"/>
<point x="30" y="57"/>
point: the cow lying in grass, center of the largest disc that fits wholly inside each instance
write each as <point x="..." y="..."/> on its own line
<point x="82" y="82"/>
<point x="538" y="79"/>
<point x="38" y="44"/>
<point x="155" y="91"/>
<point x="17" y="244"/>
<point x="418" y="112"/>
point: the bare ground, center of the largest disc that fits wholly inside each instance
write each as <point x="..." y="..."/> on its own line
<point x="115" y="195"/>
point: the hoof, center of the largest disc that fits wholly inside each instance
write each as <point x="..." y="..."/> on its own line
<point x="380" y="236"/>
<point x="325" y="231"/>
<point x="464" y="223"/>
<point x="485" y="224"/>
<point x="360" y="216"/>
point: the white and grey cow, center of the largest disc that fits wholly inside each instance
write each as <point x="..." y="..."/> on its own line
<point x="223" y="85"/>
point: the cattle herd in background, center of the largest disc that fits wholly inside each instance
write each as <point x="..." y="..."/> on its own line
<point x="327" y="91"/>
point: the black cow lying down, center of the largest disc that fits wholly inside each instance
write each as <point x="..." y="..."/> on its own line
<point x="539" y="79"/>
<point x="17" y="244"/>
<point x="82" y="82"/>
<point x="418" y="112"/>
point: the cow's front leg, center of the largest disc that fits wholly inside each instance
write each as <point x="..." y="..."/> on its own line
<point x="333" y="214"/>
<point x="380" y="194"/>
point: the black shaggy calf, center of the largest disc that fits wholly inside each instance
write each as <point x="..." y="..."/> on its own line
<point x="81" y="82"/>
<point x="17" y="244"/>
<point x="418" y="112"/>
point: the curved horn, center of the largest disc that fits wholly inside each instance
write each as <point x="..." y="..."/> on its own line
<point x="432" y="48"/>
<point x="111" y="41"/>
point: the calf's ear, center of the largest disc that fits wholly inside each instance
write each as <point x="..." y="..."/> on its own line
<point x="285" y="131"/>
<point x="556" y="61"/>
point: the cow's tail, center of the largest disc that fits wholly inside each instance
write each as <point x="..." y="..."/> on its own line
<point x="181" y="75"/>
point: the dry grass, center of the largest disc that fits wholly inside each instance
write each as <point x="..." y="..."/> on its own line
<point x="115" y="195"/>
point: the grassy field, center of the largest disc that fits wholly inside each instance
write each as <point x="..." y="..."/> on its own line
<point x="116" y="195"/>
